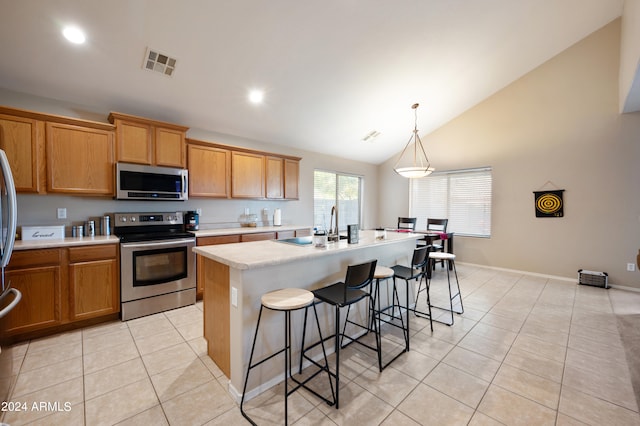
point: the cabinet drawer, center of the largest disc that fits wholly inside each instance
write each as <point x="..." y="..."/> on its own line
<point x="286" y="234"/>
<point x="85" y="253"/>
<point x="27" y="258"/>
<point x="259" y="236"/>
<point x="303" y="232"/>
<point x="218" y="239"/>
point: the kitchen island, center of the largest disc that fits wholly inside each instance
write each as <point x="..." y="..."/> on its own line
<point x="237" y="275"/>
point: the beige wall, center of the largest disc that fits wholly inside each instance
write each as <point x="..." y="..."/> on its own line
<point x="558" y="123"/>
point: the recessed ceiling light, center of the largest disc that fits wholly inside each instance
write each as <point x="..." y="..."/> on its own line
<point x="256" y="96"/>
<point x="74" y="35"/>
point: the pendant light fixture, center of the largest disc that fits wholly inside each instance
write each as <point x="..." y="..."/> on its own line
<point x="419" y="165"/>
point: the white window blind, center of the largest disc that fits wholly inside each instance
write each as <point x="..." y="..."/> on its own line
<point x="462" y="196"/>
<point x="335" y="189"/>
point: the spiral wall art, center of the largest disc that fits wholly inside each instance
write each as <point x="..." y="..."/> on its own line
<point x="549" y="203"/>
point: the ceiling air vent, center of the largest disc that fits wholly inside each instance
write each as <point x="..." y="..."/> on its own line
<point x="159" y="62"/>
<point x="371" y="136"/>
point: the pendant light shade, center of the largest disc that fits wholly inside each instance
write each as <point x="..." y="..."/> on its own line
<point x="413" y="162"/>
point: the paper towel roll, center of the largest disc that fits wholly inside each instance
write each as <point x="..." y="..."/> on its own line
<point x="277" y="217"/>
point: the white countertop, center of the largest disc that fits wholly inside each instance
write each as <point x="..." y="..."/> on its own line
<point x="266" y="253"/>
<point x="247" y="230"/>
<point x="67" y="242"/>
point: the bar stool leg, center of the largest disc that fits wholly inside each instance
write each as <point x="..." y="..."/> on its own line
<point x="451" y="265"/>
<point x="246" y="377"/>
<point x="287" y="365"/>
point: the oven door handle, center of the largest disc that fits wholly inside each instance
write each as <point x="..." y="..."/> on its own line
<point x="154" y="244"/>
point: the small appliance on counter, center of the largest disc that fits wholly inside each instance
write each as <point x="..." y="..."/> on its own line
<point x="191" y="221"/>
<point x="277" y="217"/>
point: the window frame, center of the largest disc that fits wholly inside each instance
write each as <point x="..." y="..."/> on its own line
<point x="341" y="223"/>
<point x="481" y="231"/>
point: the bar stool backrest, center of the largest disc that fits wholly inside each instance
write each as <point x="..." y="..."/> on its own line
<point x="361" y="275"/>
<point x="420" y="258"/>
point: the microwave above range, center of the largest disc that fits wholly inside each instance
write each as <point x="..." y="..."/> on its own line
<point x="139" y="182"/>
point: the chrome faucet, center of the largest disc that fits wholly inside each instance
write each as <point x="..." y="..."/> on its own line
<point x="334" y="234"/>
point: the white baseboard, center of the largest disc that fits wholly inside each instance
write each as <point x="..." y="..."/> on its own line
<point x="554" y="277"/>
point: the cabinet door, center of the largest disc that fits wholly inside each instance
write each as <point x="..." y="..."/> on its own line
<point x="23" y="141"/>
<point x="275" y="178"/>
<point x="41" y="304"/>
<point x="247" y="175"/>
<point x="94" y="289"/>
<point x="79" y="160"/>
<point x="209" y="171"/>
<point x="133" y="142"/>
<point x="291" y="178"/>
<point x="169" y="147"/>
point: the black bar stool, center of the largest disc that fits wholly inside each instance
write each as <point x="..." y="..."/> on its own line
<point x="451" y="264"/>
<point x="384" y="273"/>
<point x="417" y="271"/>
<point x="287" y="300"/>
<point x="355" y="287"/>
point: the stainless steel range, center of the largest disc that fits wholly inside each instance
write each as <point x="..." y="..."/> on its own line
<point x="157" y="265"/>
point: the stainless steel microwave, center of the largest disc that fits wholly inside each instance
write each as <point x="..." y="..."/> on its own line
<point x="139" y="182"/>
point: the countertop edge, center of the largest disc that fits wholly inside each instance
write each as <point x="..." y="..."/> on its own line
<point x="287" y="252"/>
<point x="67" y="242"/>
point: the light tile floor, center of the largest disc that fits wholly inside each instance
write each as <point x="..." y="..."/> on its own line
<point x="527" y="351"/>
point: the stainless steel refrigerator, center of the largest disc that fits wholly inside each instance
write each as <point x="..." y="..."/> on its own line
<point x="9" y="297"/>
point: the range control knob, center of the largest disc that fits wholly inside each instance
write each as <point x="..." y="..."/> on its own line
<point x="123" y="219"/>
<point x="133" y="218"/>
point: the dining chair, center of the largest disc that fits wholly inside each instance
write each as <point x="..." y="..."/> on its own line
<point x="407" y="223"/>
<point x="356" y="287"/>
<point x="437" y="225"/>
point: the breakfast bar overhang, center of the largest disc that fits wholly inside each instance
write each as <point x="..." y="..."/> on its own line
<point x="237" y="275"/>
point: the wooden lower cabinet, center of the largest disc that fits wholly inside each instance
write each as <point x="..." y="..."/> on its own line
<point x="61" y="286"/>
<point x="94" y="285"/>
<point x="37" y="274"/>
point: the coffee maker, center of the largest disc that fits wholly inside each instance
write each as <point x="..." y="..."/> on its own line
<point x="191" y="221"/>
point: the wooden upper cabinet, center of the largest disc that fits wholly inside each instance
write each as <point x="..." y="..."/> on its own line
<point x="247" y="175"/>
<point x="133" y="142"/>
<point x="291" y="178"/>
<point x="170" y="147"/>
<point x="209" y="171"/>
<point x="79" y="160"/>
<point x="144" y="141"/>
<point x="274" y="177"/>
<point x="22" y="139"/>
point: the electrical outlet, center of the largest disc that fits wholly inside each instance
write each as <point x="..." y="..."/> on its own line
<point x="631" y="267"/>
<point x="234" y="297"/>
<point x="62" y="213"/>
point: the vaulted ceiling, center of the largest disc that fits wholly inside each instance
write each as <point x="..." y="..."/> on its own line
<point x="332" y="71"/>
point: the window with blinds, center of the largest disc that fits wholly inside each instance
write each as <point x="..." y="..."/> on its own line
<point x="335" y="189"/>
<point x="462" y="196"/>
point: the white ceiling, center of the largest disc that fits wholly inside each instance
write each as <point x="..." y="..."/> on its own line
<point x="332" y="70"/>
